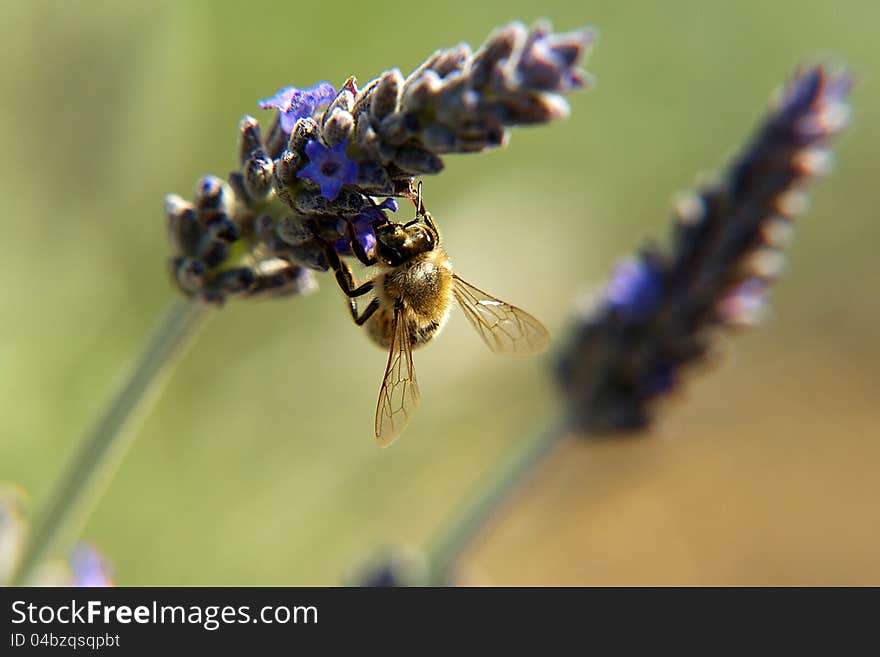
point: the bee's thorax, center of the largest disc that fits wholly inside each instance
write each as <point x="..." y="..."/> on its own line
<point x="421" y="289"/>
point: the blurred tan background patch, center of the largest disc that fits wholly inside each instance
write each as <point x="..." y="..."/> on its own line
<point x="258" y="465"/>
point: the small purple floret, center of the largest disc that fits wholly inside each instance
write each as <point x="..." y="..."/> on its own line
<point x="363" y="227"/>
<point x="388" y="205"/>
<point x="329" y="168"/>
<point x="363" y="234"/>
<point x="295" y="104"/>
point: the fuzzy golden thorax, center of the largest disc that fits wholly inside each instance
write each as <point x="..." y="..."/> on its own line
<point x="422" y="288"/>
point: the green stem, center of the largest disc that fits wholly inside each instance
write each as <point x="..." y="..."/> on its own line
<point x="443" y="555"/>
<point x="103" y="449"/>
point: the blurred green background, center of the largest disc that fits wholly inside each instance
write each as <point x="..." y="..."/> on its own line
<point x="258" y="464"/>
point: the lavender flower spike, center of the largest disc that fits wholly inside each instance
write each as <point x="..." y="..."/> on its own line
<point x="725" y="253"/>
<point x="312" y="179"/>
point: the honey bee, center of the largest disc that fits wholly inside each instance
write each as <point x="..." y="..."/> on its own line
<point x="411" y="301"/>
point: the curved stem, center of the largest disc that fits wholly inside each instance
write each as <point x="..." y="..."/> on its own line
<point x="447" y="548"/>
<point x="104" y="447"/>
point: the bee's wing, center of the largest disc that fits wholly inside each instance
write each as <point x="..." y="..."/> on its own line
<point x="399" y="395"/>
<point x="504" y="328"/>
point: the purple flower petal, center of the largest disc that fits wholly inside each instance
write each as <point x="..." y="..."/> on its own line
<point x="364" y="234"/>
<point x="330" y="188"/>
<point x="378" y="212"/>
<point x="389" y="204"/>
<point x="294" y="104"/>
<point x="306" y="101"/>
<point x="280" y="101"/>
<point x="329" y="168"/>
<point x="350" y="172"/>
<point x="315" y="150"/>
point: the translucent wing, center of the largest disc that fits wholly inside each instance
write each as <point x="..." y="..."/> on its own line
<point x="399" y="395"/>
<point x="504" y="328"/>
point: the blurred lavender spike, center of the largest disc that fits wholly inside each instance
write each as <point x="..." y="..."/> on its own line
<point x="86" y="565"/>
<point x="13" y="529"/>
<point x="652" y="319"/>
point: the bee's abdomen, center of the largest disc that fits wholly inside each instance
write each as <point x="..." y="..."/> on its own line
<point x="421" y="333"/>
<point x="379" y="329"/>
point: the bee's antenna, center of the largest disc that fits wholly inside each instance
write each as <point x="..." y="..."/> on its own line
<point x="420" y="208"/>
<point x="421" y="213"/>
<point x="417" y="202"/>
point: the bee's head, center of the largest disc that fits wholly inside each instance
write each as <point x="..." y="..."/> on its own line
<point x="396" y="243"/>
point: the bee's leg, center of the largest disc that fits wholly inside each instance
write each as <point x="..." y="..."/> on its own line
<point x="352" y="294"/>
<point x="379" y="212"/>
<point x="344" y="275"/>
<point x="368" y="311"/>
<point x="356" y="246"/>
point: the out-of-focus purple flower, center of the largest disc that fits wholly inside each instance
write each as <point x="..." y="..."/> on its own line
<point x="726" y="251"/>
<point x="294" y="104"/>
<point x="635" y="289"/>
<point x="89" y="568"/>
<point x="329" y="168"/>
